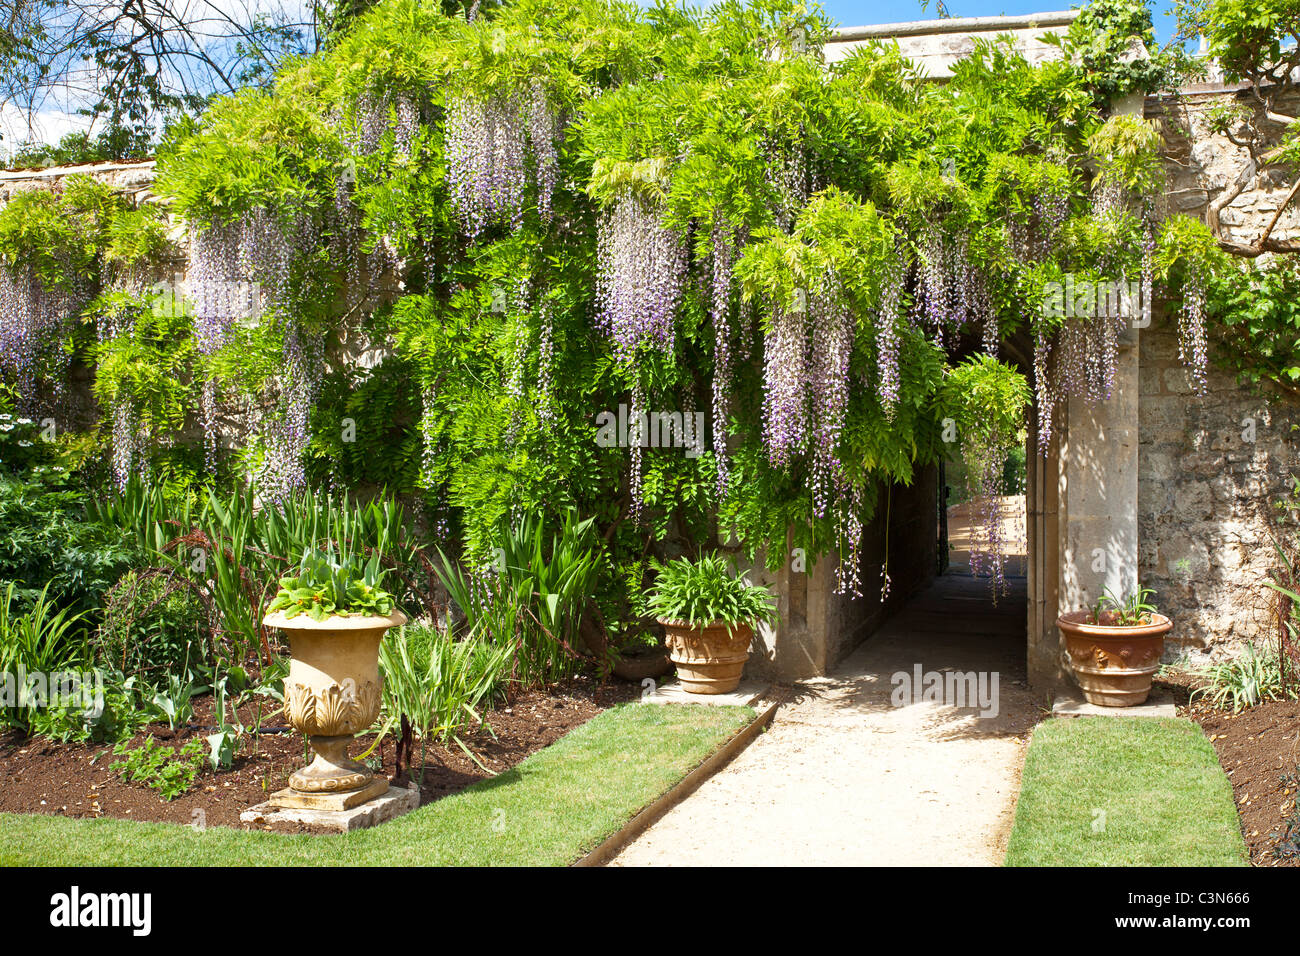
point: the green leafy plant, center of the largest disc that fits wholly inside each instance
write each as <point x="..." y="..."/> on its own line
<point x="707" y="591"/>
<point x="439" y="683"/>
<point x="1133" y="611"/>
<point x="153" y="623"/>
<point x="327" y="585"/>
<point x="533" y="595"/>
<point x="46" y="542"/>
<point x="175" y="702"/>
<point x="170" y="772"/>
<point x="1243" y="681"/>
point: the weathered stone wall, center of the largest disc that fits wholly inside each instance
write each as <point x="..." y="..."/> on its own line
<point x="134" y="179"/>
<point x="935" y="45"/>
<point x="1212" y="467"/>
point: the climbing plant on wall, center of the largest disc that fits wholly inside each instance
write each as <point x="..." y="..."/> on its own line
<point x="575" y="230"/>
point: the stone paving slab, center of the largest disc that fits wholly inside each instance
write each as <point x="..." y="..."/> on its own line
<point x="389" y="806"/>
<point x="1070" y="703"/>
<point x="749" y="693"/>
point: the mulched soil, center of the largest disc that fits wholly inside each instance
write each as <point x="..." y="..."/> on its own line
<point x="41" y="776"/>
<point x="1259" y="749"/>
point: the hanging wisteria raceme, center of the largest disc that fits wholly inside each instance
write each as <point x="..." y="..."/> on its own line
<point x="436" y="512"/>
<point x="848" y="533"/>
<point x="1045" y="393"/>
<point x="31" y="319"/>
<point x="515" y="388"/>
<point x="218" y="288"/>
<point x="208" y="419"/>
<point x="545" y="129"/>
<point x="988" y="550"/>
<point x="990" y="340"/>
<point x="1088" y="350"/>
<point x="285" y="436"/>
<point x="1109" y="196"/>
<point x="932" y="300"/>
<point x="787" y="173"/>
<point x="641" y="272"/>
<point x="126" y="444"/>
<point x="486" y="171"/>
<point x="1148" y="260"/>
<point x="240" y="270"/>
<point x="887" y="340"/>
<point x="828" y="385"/>
<point x="1050" y="212"/>
<point x="785" y="385"/>
<point x="806" y="359"/>
<point x="634" y="438"/>
<point x="722" y="262"/>
<point x="268" y="250"/>
<point x="546" y="362"/>
<point x="379" y="112"/>
<point x="1193" y="346"/>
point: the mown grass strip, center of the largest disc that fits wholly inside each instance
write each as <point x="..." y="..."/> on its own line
<point x="548" y="811"/>
<point x="1124" y="791"/>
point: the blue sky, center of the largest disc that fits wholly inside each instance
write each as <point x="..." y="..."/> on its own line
<point x="856" y="13"/>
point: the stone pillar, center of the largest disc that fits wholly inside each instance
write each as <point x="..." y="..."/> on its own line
<point x="1082" y="500"/>
<point x="1099" y="476"/>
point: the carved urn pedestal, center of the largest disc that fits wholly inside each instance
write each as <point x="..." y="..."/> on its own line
<point x="332" y="693"/>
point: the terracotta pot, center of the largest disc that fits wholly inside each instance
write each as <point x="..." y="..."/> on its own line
<point x="709" y="659"/>
<point x="332" y="693"/>
<point x="1113" y="664"/>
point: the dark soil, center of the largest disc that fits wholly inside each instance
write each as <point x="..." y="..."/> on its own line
<point x="42" y="776"/>
<point x="1259" y="750"/>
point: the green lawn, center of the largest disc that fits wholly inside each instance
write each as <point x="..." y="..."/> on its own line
<point x="1124" y="791"/>
<point x="550" y="810"/>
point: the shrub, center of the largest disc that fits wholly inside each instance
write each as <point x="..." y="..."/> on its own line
<point x="46" y="543"/>
<point x="41" y="640"/>
<point x="533" y="596"/>
<point x="704" y="591"/>
<point x="152" y="623"/>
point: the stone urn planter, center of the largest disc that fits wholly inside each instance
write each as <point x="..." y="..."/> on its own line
<point x="332" y="693"/>
<point x="1113" y="662"/>
<point x="710" y="659"/>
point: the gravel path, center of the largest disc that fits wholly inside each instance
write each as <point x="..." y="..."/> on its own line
<point x="844" y="777"/>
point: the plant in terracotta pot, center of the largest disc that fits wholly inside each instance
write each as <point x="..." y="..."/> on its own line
<point x="708" y="615"/>
<point x="1114" y="648"/>
<point x="334" y="612"/>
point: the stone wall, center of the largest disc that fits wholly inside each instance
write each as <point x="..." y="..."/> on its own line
<point x="1212" y="467"/>
<point x="134" y="179"/>
<point x="935" y="45"/>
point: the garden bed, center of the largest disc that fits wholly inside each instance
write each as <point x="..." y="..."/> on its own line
<point x="1259" y="750"/>
<point x="550" y="810"/>
<point x="42" y="776"/>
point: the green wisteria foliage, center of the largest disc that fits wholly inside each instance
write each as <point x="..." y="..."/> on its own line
<point x="668" y="267"/>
